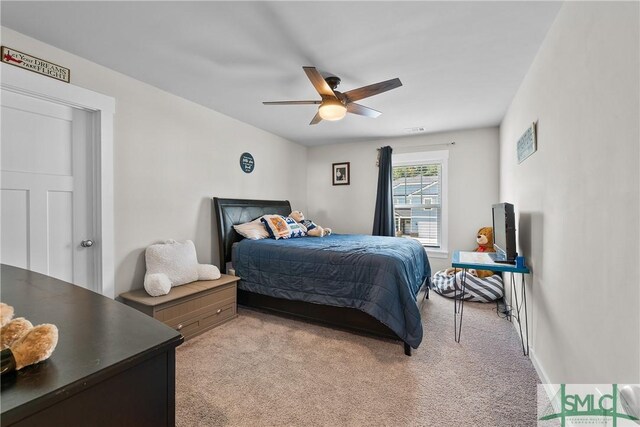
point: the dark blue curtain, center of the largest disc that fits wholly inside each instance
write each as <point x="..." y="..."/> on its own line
<point x="383" y="219"/>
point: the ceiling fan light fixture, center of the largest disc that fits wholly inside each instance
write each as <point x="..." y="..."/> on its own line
<point x="332" y="110"/>
<point x="335" y="105"/>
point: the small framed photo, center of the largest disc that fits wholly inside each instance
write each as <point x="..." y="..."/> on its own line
<point x="341" y="174"/>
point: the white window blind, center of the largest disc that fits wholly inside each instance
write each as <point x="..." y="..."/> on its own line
<point x="417" y="202"/>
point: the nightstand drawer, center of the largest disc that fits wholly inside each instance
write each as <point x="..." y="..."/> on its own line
<point x="190" y="326"/>
<point x="196" y="306"/>
<point x="219" y="316"/>
<point x="187" y="328"/>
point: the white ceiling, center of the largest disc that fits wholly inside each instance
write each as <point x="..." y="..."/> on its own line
<point x="460" y="62"/>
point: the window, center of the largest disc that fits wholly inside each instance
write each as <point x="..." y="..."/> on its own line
<point x="419" y="197"/>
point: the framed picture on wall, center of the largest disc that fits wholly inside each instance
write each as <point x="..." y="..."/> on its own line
<point x="341" y="174"/>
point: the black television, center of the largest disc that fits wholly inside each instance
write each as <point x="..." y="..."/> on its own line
<point x="504" y="233"/>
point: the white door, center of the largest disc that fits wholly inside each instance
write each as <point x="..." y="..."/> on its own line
<point x="47" y="181"/>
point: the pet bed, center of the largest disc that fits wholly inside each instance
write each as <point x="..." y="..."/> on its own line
<point x="478" y="289"/>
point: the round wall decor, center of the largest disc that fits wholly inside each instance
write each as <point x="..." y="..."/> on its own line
<point x="247" y="163"/>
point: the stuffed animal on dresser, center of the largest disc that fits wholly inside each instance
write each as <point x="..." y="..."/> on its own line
<point x="313" y="229"/>
<point x="22" y="343"/>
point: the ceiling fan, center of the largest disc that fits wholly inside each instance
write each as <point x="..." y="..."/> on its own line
<point x="335" y="105"/>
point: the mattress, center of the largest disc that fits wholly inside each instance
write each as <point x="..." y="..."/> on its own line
<point x="380" y="276"/>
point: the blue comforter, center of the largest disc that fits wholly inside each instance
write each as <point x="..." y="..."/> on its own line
<point x="378" y="275"/>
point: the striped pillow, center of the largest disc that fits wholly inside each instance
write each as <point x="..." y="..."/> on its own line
<point x="280" y="227"/>
<point x="478" y="289"/>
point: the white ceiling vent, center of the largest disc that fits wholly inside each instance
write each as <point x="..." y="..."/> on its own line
<point x="417" y="129"/>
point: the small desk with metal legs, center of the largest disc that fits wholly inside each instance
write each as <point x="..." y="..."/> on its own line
<point x="482" y="261"/>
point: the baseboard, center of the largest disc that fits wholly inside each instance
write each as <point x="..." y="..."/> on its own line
<point x="542" y="374"/>
<point x="549" y="387"/>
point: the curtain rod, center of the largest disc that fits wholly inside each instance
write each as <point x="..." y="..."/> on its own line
<point x="425" y="145"/>
<point x="414" y="147"/>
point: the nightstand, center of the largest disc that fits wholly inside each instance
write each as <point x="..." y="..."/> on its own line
<point x="190" y="309"/>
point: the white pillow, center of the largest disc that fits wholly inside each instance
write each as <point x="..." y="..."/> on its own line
<point x="253" y="230"/>
<point x="176" y="260"/>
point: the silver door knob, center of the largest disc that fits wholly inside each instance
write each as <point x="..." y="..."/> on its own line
<point x="86" y="243"/>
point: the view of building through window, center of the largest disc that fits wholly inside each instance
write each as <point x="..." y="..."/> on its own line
<point x="417" y="202"/>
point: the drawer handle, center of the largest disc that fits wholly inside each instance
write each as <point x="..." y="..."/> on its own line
<point x="219" y="311"/>
<point x="179" y="327"/>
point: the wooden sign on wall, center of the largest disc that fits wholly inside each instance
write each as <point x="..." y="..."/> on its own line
<point x="37" y="65"/>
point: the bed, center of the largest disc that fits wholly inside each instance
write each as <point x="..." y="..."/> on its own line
<point x="364" y="283"/>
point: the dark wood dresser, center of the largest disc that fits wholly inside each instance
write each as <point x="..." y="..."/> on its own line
<point x="113" y="365"/>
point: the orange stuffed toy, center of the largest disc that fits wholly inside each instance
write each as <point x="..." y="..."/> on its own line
<point x="485" y="240"/>
<point x="485" y="244"/>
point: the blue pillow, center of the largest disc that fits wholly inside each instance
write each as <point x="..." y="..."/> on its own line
<point x="280" y="227"/>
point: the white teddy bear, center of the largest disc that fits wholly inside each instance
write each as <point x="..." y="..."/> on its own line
<point x="313" y="229"/>
<point x="173" y="264"/>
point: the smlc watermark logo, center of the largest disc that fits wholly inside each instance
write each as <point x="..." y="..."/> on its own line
<point x="608" y="405"/>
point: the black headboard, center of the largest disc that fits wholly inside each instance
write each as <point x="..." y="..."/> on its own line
<point x="230" y="212"/>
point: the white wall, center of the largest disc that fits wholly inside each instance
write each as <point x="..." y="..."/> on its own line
<point x="473" y="183"/>
<point x="577" y="197"/>
<point x="170" y="157"/>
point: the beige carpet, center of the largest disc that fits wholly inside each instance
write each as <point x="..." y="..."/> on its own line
<point x="265" y="370"/>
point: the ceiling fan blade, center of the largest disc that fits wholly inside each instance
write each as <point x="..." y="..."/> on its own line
<point x="319" y="82"/>
<point x="354" y="108"/>
<point x="291" y="102"/>
<point x="316" y="119"/>
<point x="371" y="90"/>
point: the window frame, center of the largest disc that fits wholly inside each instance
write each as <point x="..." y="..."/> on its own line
<point x="420" y="158"/>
